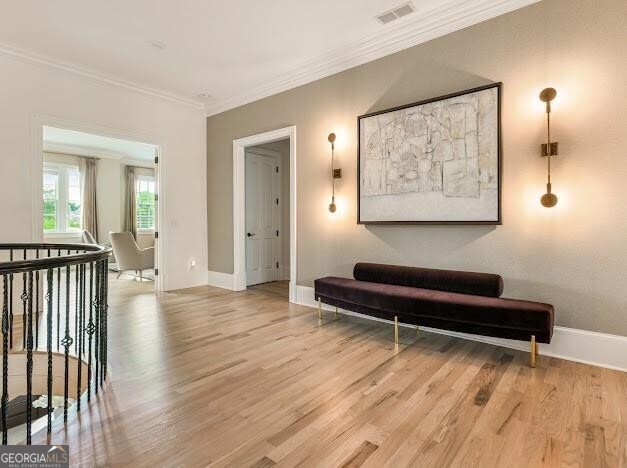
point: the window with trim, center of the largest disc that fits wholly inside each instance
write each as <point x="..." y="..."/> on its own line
<point x="145" y="203"/>
<point x="61" y="199"/>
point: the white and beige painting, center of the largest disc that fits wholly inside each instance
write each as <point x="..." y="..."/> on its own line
<point x="432" y="162"/>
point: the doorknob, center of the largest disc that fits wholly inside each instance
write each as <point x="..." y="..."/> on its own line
<point x="249" y="234"/>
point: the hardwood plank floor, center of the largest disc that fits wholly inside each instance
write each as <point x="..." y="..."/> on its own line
<point x="208" y="377"/>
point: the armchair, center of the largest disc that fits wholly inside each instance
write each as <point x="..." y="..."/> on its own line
<point x="129" y="256"/>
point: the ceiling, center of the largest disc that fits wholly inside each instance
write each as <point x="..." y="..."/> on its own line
<point x="236" y="51"/>
<point x="87" y="144"/>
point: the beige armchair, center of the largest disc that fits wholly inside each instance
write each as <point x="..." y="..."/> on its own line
<point x="129" y="256"/>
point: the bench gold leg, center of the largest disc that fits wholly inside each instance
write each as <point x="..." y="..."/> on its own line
<point x="319" y="309"/>
<point x="336" y="313"/>
<point x="395" y="329"/>
<point x="534" y="351"/>
<point x="417" y="330"/>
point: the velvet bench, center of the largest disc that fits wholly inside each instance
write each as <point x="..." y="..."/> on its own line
<point x="451" y="300"/>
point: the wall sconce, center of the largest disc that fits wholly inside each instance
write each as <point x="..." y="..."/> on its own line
<point x="549" y="148"/>
<point x="336" y="173"/>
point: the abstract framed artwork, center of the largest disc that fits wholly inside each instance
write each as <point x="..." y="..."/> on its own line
<point x="436" y="161"/>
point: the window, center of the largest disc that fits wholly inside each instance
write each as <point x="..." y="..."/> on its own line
<point x="61" y="199"/>
<point x="145" y="199"/>
<point x="74" y="200"/>
<point x="51" y="200"/>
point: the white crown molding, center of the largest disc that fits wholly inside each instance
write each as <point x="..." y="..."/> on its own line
<point x="79" y="150"/>
<point x="29" y="56"/>
<point x="587" y="347"/>
<point x="391" y="39"/>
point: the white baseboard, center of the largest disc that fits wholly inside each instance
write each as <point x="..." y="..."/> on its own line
<point x="588" y="347"/>
<point x="220" y="280"/>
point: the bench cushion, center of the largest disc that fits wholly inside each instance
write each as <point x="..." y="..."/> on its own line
<point x="465" y="282"/>
<point x="491" y="316"/>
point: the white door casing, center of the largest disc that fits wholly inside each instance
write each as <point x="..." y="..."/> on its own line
<point x="263" y="217"/>
<point x="238" y="280"/>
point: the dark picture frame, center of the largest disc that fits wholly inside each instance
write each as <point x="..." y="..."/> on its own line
<point x="497" y="220"/>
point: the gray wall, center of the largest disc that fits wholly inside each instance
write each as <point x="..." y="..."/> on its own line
<point x="573" y="255"/>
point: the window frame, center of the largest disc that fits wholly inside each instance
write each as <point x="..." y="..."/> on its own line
<point x="146" y="178"/>
<point x="55" y="173"/>
<point x="62" y="171"/>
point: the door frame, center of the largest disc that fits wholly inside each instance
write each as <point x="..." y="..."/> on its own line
<point x="39" y="121"/>
<point x="239" y="203"/>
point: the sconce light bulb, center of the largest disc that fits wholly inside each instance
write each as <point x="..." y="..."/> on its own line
<point x="332" y="206"/>
<point x="548" y="200"/>
<point x="548" y="94"/>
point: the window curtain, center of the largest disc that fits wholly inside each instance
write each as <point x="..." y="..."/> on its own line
<point x="130" y="215"/>
<point x="90" y="207"/>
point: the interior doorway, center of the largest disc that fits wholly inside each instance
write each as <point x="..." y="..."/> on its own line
<point x="105" y="190"/>
<point x="261" y="256"/>
<point x="267" y="213"/>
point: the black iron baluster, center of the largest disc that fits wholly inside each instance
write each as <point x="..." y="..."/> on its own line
<point x="90" y="327"/>
<point x="76" y="312"/>
<point x="105" y="314"/>
<point x="66" y="342"/>
<point x="97" y="324"/>
<point x="103" y="302"/>
<point x="11" y="303"/>
<point x="24" y="298"/>
<point x="79" y="335"/>
<point x="58" y="304"/>
<point x="49" y="345"/>
<point x="29" y="361"/>
<point x="5" y="358"/>
<point x="82" y="325"/>
<point x="37" y="304"/>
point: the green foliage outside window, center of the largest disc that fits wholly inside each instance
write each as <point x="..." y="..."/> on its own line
<point x="146" y="209"/>
<point x="50" y="208"/>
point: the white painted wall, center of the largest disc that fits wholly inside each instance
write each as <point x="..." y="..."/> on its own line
<point x="32" y="92"/>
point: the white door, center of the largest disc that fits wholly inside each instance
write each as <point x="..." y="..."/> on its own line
<point x="262" y="218"/>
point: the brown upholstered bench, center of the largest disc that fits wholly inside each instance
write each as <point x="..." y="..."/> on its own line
<point x="450" y="300"/>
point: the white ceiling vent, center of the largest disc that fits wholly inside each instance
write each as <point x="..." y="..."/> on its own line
<point x="396" y="13"/>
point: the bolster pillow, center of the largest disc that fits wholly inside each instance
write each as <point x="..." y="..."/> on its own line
<point x="464" y="282"/>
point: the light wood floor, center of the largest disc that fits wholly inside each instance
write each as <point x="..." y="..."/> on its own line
<point x="207" y="377"/>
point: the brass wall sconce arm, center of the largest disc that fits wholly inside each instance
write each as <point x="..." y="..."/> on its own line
<point x="548" y="149"/>
<point x="336" y="173"/>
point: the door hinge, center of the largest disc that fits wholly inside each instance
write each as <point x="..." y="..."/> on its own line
<point x="156" y="197"/>
<point x="277" y="169"/>
<point x="277" y="233"/>
<point x="156" y="234"/>
<point x="156" y="271"/>
<point x="277" y="201"/>
<point x="156" y="159"/>
<point x="277" y="264"/>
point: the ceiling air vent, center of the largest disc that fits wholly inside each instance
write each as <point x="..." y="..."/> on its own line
<point x="396" y="13"/>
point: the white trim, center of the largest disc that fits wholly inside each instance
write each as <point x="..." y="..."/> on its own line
<point x="82" y="151"/>
<point x="79" y="150"/>
<point x="588" y="347"/>
<point x="29" y="56"/>
<point x="239" y="203"/>
<point x="391" y="39"/>
<point x="220" y="280"/>
<point x="38" y="121"/>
